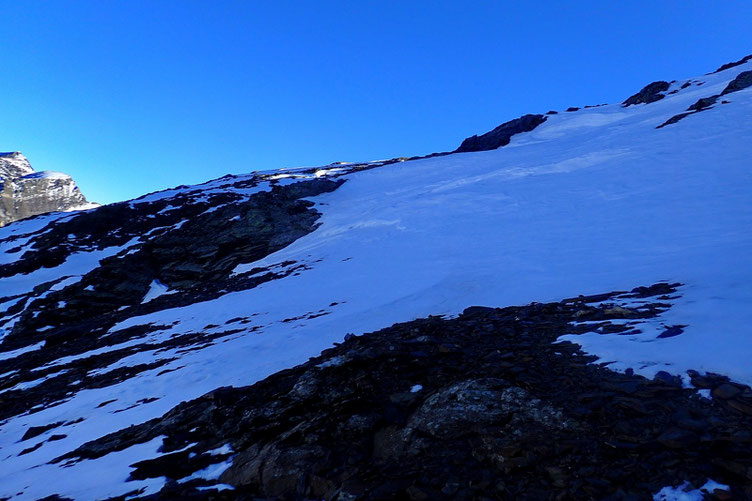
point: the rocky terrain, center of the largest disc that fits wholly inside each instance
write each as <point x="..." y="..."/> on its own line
<point x="25" y="193"/>
<point x="484" y="406"/>
<point x="314" y="333"/>
<point x="194" y="261"/>
<point x="741" y="82"/>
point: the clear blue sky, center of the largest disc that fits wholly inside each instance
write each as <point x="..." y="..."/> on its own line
<point x="135" y="96"/>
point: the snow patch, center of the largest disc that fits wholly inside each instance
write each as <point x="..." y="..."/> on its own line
<point x="47" y="174"/>
<point x="7" y="355"/>
<point x="685" y="492"/>
<point x="156" y="289"/>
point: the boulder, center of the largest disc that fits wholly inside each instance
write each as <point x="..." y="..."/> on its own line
<point x="648" y="94"/>
<point x="25" y="193"/>
<point x="742" y="81"/>
<point x="501" y="135"/>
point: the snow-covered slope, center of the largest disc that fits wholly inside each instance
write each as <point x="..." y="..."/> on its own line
<point x="590" y="201"/>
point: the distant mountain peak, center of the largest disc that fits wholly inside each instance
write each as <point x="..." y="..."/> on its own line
<point x="14" y="164"/>
<point x="12" y="154"/>
<point x="25" y="192"/>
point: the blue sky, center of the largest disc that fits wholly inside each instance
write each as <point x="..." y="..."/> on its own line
<point x="131" y="97"/>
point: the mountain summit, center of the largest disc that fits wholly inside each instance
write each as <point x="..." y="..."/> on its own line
<point x="557" y="310"/>
<point x="25" y="193"/>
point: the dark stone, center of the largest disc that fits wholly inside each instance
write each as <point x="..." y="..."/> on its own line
<point x="672" y="331"/>
<point x="726" y="391"/>
<point x="703" y="103"/>
<point x="648" y="94"/>
<point x="34" y="431"/>
<point x="674" y="119"/>
<point x="743" y="406"/>
<point x="665" y="377"/>
<point x="477" y="310"/>
<point x="677" y="438"/>
<point x="501" y="135"/>
<point x="733" y="64"/>
<point x="176" y="465"/>
<point x="742" y="81"/>
<point x="30" y="449"/>
<point x="707" y="381"/>
<point x="457" y="410"/>
<point x="659" y="288"/>
<point x="552" y="112"/>
<point x="572" y="108"/>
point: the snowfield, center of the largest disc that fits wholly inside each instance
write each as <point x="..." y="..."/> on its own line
<point x="47" y="174"/>
<point x="590" y="201"/>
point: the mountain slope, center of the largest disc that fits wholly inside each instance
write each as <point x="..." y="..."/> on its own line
<point x="114" y="316"/>
<point x="25" y="193"/>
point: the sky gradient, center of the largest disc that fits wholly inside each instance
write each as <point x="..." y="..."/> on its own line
<point x="132" y="97"/>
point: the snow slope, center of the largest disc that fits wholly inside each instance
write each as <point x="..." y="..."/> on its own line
<point x="590" y="201"/>
<point x="47" y="174"/>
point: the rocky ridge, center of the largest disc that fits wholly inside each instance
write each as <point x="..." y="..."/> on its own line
<point x="25" y="193"/>
<point x="649" y="94"/>
<point x="501" y="135"/>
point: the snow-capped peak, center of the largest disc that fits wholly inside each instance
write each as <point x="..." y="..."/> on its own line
<point x="14" y="164"/>
<point x="28" y="193"/>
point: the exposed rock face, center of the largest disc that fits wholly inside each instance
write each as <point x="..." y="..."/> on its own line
<point x="703" y="103"/>
<point x="733" y="64"/>
<point x="14" y="164"/>
<point x="25" y="193"/>
<point x="648" y="94"/>
<point x="742" y="81"/>
<point x="502" y="134"/>
<point x="483" y="406"/>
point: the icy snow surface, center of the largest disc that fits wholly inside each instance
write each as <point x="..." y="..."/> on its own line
<point x="589" y="202"/>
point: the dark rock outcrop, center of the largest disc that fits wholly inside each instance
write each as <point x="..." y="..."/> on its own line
<point x="742" y="81"/>
<point x="501" y="135"/>
<point x="483" y="406"/>
<point x="676" y="118"/>
<point x="733" y="64"/>
<point x="25" y="193"/>
<point x="703" y="103"/>
<point x="648" y="94"/>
